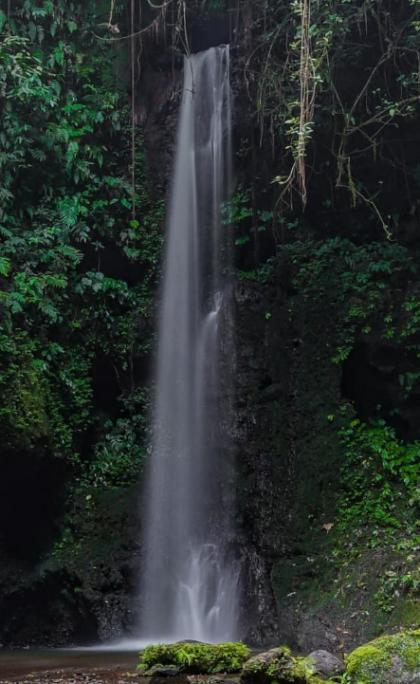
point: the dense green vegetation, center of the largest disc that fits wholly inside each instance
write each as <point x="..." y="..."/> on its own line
<point x="77" y="269"/>
<point x="195" y="657"/>
<point x="353" y="305"/>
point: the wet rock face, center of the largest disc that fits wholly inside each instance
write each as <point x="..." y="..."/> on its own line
<point x="262" y="499"/>
<point x="45" y="612"/>
<point x="290" y="396"/>
<point x="83" y="593"/>
<point x="111" y="615"/>
<point x="58" y="617"/>
<point x="158" y="109"/>
<point x="285" y="457"/>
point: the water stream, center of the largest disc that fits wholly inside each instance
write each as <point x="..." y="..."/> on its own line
<point x="189" y="582"/>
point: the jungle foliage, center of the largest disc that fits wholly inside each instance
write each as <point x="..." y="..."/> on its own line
<point x="365" y="295"/>
<point x="336" y="86"/>
<point x="77" y="269"/>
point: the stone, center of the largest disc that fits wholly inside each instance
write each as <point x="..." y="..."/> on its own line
<point x="275" y="665"/>
<point x="164" y="671"/>
<point x="390" y="659"/>
<point x="209" y="679"/>
<point x="326" y="664"/>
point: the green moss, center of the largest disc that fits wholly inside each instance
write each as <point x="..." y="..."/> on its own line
<point x="278" y="666"/>
<point x="304" y="668"/>
<point x="407" y="613"/>
<point x="196" y="658"/>
<point x="366" y="662"/>
<point x="286" y="669"/>
<point x="370" y="663"/>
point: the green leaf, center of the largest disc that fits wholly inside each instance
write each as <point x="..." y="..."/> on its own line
<point x="5" y="267"/>
<point x="242" y="240"/>
<point x="3" y="20"/>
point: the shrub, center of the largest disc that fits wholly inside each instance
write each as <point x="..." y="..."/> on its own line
<point x="195" y="657"/>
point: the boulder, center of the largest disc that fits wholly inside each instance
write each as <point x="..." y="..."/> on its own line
<point x="276" y="665"/>
<point x="393" y="659"/>
<point x="326" y="664"/>
<point x="164" y="671"/>
<point x="193" y="657"/>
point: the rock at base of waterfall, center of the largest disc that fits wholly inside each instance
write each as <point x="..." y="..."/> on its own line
<point x="389" y="659"/>
<point x="326" y="664"/>
<point x="277" y="665"/>
<point x="164" y="671"/>
<point x="195" y="658"/>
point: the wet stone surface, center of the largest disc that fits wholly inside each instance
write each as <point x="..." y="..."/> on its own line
<point x="54" y="667"/>
<point x="87" y="667"/>
<point x="100" y="676"/>
<point x="58" y="677"/>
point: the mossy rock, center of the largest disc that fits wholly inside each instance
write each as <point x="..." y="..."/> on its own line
<point x="164" y="671"/>
<point x="393" y="659"/>
<point x="325" y="664"/>
<point x="279" y="666"/>
<point x="194" y="657"/>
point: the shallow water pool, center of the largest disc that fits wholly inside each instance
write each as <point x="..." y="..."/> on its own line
<point x="39" y="666"/>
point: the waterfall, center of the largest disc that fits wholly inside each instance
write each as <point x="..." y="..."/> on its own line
<point x="189" y="582"/>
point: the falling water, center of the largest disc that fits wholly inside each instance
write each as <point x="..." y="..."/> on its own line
<point x="189" y="581"/>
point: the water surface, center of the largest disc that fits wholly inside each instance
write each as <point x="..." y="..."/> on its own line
<point x="39" y="666"/>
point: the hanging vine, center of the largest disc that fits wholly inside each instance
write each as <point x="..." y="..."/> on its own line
<point x="293" y="57"/>
<point x="307" y="96"/>
<point x="341" y="71"/>
<point x="134" y="31"/>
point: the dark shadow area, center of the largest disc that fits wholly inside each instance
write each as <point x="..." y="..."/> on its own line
<point x="373" y="379"/>
<point x="57" y="614"/>
<point x="113" y="263"/>
<point x="209" y="31"/>
<point x="370" y="386"/>
<point x="106" y="390"/>
<point x="31" y="501"/>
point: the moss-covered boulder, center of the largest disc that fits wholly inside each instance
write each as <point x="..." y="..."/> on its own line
<point x="194" y="657"/>
<point x="279" y="666"/>
<point x="393" y="659"/>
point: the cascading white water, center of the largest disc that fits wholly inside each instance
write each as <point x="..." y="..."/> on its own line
<point x="189" y="583"/>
